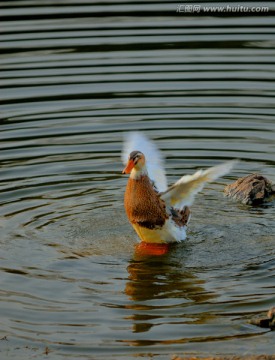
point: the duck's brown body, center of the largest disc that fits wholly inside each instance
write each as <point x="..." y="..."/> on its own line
<point x="148" y="214"/>
<point x="143" y="205"/>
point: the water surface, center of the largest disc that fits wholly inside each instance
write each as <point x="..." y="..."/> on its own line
<point x="75" y="77"/>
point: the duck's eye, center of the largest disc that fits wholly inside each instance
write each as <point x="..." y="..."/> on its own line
<point x="136" y="158"/>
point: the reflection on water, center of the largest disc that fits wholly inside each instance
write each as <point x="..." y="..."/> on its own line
<point x="168" y="297"/>
<point x="75" y="77"/>
<point x="157" y="286"/>
<point x="156" y="278"/>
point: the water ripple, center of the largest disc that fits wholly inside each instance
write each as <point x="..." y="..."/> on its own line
<point x="75" y="77"/>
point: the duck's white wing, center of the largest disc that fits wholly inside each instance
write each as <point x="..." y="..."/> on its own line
<point x="182" y="193"/>
<point x="154" y="160"/>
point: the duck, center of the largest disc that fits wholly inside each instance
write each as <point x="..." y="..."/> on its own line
<point x="159" y="213"/>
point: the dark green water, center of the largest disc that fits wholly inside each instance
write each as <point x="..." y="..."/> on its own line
<point x="74" y="77"/>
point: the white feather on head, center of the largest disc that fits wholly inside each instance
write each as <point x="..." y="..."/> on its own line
<point x="153" y="157"/>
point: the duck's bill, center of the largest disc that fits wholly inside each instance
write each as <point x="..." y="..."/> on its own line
<point x="128" y="167"/>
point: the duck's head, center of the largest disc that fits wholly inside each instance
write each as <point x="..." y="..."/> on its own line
<point x="136" y="161"/>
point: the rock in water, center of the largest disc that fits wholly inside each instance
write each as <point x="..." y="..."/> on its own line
<point x="271" y="316"/>
<point x="266" y="322"/>
<point x="251" y="189"/>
